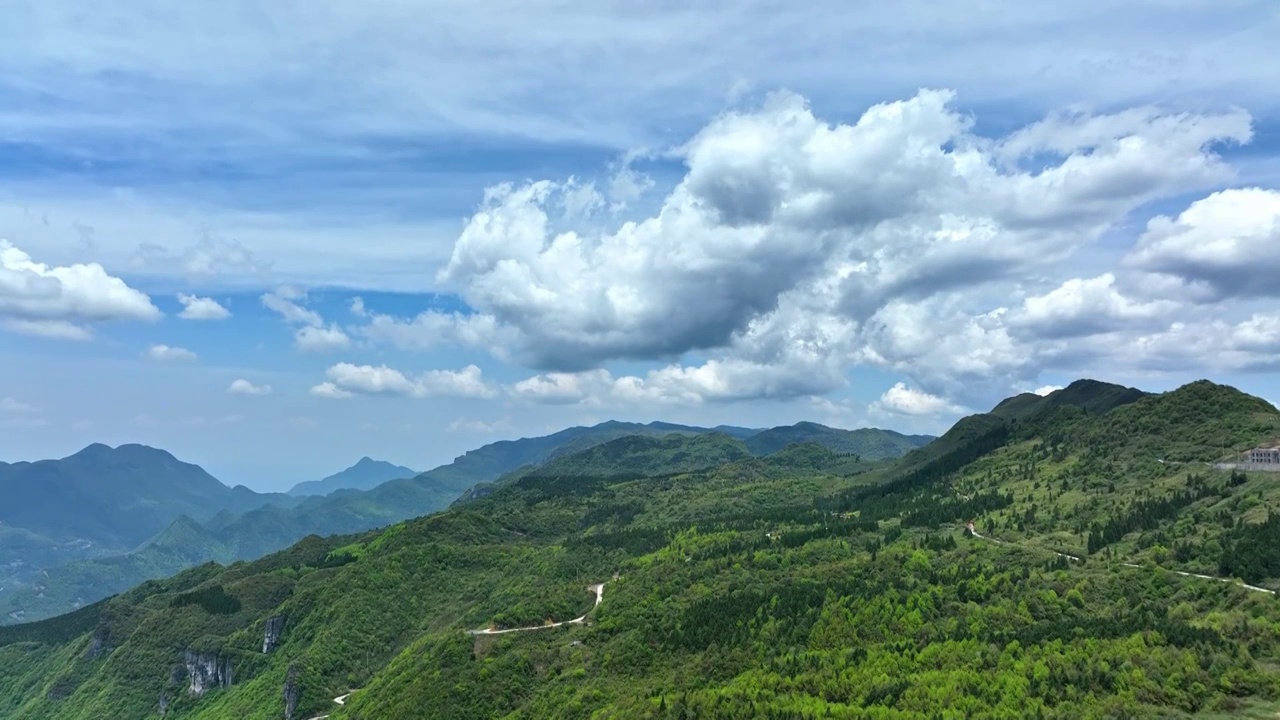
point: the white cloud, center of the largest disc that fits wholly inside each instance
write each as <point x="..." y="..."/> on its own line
<point x="282" y="301"/>
<point x="321" y="339"/>
<point x="847" y="219"/>
<point x="432" y="59"/>
<point x="165" y="353"/>
<point x="467" y="382"/>
<point x="241" y="386"/>
<point x="329" y="390"/>
<point x="357" y="307"/>
<point x="56" y="301"/>
<point x="207" y="259"/>
<point x="281" y="106"/>
<point x="55" y="329"/>
<point x="313" y="335"/>
<point x="560" y="387"/>
<point x="626" y="185"/>
<point x="431" y="329"/>
<point x="579" y="200"/>
<point x="9" y="406"/>
<point x="1044" y="390"/>
<point x="1252" y="344"/>
<point x="479" y="426"/>
<point x="382" y="380"/>
<point x="716" y="380"/>
<point x="947" y="348"/>
<point x="370" y="380"/>
<point x="1094" y="306"/>
<point x="29" y="422"/>
<point x="1229" y="240"/>
<point x="201" y="308"/>
<point x="903" y="400"/>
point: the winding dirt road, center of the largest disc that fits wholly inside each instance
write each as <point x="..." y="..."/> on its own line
<point x="598" y="589"/>
<point x="1237" y="583"/>
<point x="1001" y="542"/>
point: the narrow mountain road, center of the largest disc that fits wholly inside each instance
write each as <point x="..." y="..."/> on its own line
<point x="1237" y="583"/>
<point x="598" y="589"/>
<point x="341" y="700"/>
<point x="1246" y="586"/>
<point x="1001" y="542"/>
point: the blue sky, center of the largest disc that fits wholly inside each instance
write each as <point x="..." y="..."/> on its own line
<point x="749" y="213"/>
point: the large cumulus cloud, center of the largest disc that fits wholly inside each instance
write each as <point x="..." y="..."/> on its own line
<point x="62" y="301"/>
<point x="793" y="248"/>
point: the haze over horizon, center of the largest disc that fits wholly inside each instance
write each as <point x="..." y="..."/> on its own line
<point x="265" y="242"/>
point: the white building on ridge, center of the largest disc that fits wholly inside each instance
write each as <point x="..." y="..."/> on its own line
<point x="1264" y="456"/>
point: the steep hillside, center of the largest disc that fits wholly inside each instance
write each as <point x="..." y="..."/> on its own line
<point x="366" y="474"/>
<point x="1090" y="396"/>
<point x="868" y="443"/>
<point x="1085" y="397"/>
<point x="761" y="588"/>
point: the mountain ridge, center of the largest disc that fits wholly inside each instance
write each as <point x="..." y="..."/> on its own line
<point x="763" y="587"/>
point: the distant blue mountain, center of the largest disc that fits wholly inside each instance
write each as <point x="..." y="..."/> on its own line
<point x="364" y="475"/>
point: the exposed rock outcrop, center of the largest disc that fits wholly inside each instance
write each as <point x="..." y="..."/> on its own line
<point x="98" y="646"/>
<point x="292" y="692"/>
<point x="271" y="638"/>
<point x="206" y="670"/>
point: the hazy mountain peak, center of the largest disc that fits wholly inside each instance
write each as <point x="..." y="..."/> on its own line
<point x="365" y="474"/>
<point x="92" y="450"/>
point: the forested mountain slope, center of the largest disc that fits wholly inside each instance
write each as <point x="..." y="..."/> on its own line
<point x="50" y="577"/>
<point x="868" y="443"/>
<point x="761" y="588"/>
<point x="641" y="455"/>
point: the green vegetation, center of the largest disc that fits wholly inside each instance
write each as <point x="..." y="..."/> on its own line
<point x="805" y="584"/>
<point x="640" y="456"/>
<point x="75" y="497"/>
<point x="867" y="443"/>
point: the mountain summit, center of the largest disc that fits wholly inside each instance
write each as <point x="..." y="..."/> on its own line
<point x="117" y="497"/>
<point x="366" y="474"/>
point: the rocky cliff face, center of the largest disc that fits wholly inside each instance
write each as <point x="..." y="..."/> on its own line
<point x="206" y="670"/>
<point x="292" y="692"/>
<point x="271" y="638"/>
